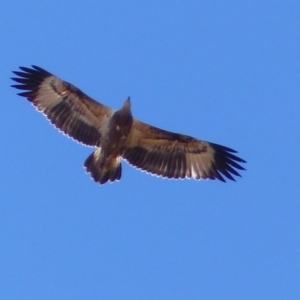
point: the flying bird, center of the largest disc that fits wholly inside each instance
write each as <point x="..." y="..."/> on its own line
<point x="117" y="135"/>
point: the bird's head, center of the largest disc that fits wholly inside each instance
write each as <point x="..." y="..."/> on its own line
<point x="127" y="105"/>
<point x="123" y="116"/>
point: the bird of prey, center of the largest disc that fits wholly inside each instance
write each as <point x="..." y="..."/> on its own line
<point x="117" y="135"/>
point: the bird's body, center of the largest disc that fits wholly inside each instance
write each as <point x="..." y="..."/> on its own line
<point x="117" y="135"/>
<point x="105" y="164"/>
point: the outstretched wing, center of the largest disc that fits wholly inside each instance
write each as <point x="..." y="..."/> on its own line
<point x="175" y="155"/>
<point x="66" y="106"/>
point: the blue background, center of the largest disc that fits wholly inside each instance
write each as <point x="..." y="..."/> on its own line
<point x="223" y="71"/>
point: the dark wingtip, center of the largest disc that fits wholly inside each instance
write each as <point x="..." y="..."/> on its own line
<point x="226" y="163"/>
<point x="33" y="70"/>
<point x="29" y="79"/>
<point x="41" y="70"/>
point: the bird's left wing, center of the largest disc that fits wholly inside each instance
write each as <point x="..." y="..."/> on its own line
<point x="173" y="155"/>
<point x="67" y="107"/>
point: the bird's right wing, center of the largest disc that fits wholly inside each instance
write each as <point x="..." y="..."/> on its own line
<point x="66" y="106"/>
<point x="174" y="155"/>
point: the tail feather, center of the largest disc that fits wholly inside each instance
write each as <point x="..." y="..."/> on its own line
<point x="101" y="170"/>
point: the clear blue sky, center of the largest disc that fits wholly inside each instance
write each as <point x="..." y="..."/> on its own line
<point x="223" y="71"/>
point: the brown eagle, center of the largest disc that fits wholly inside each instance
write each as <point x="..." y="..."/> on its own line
<point x="117" y="135"/>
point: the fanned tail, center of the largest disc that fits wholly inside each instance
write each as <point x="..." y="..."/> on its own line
<point x="103" y="170"/>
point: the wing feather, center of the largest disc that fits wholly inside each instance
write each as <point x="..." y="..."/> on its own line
<point x="66" y="106"/>
<point x="173" y="155"/>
